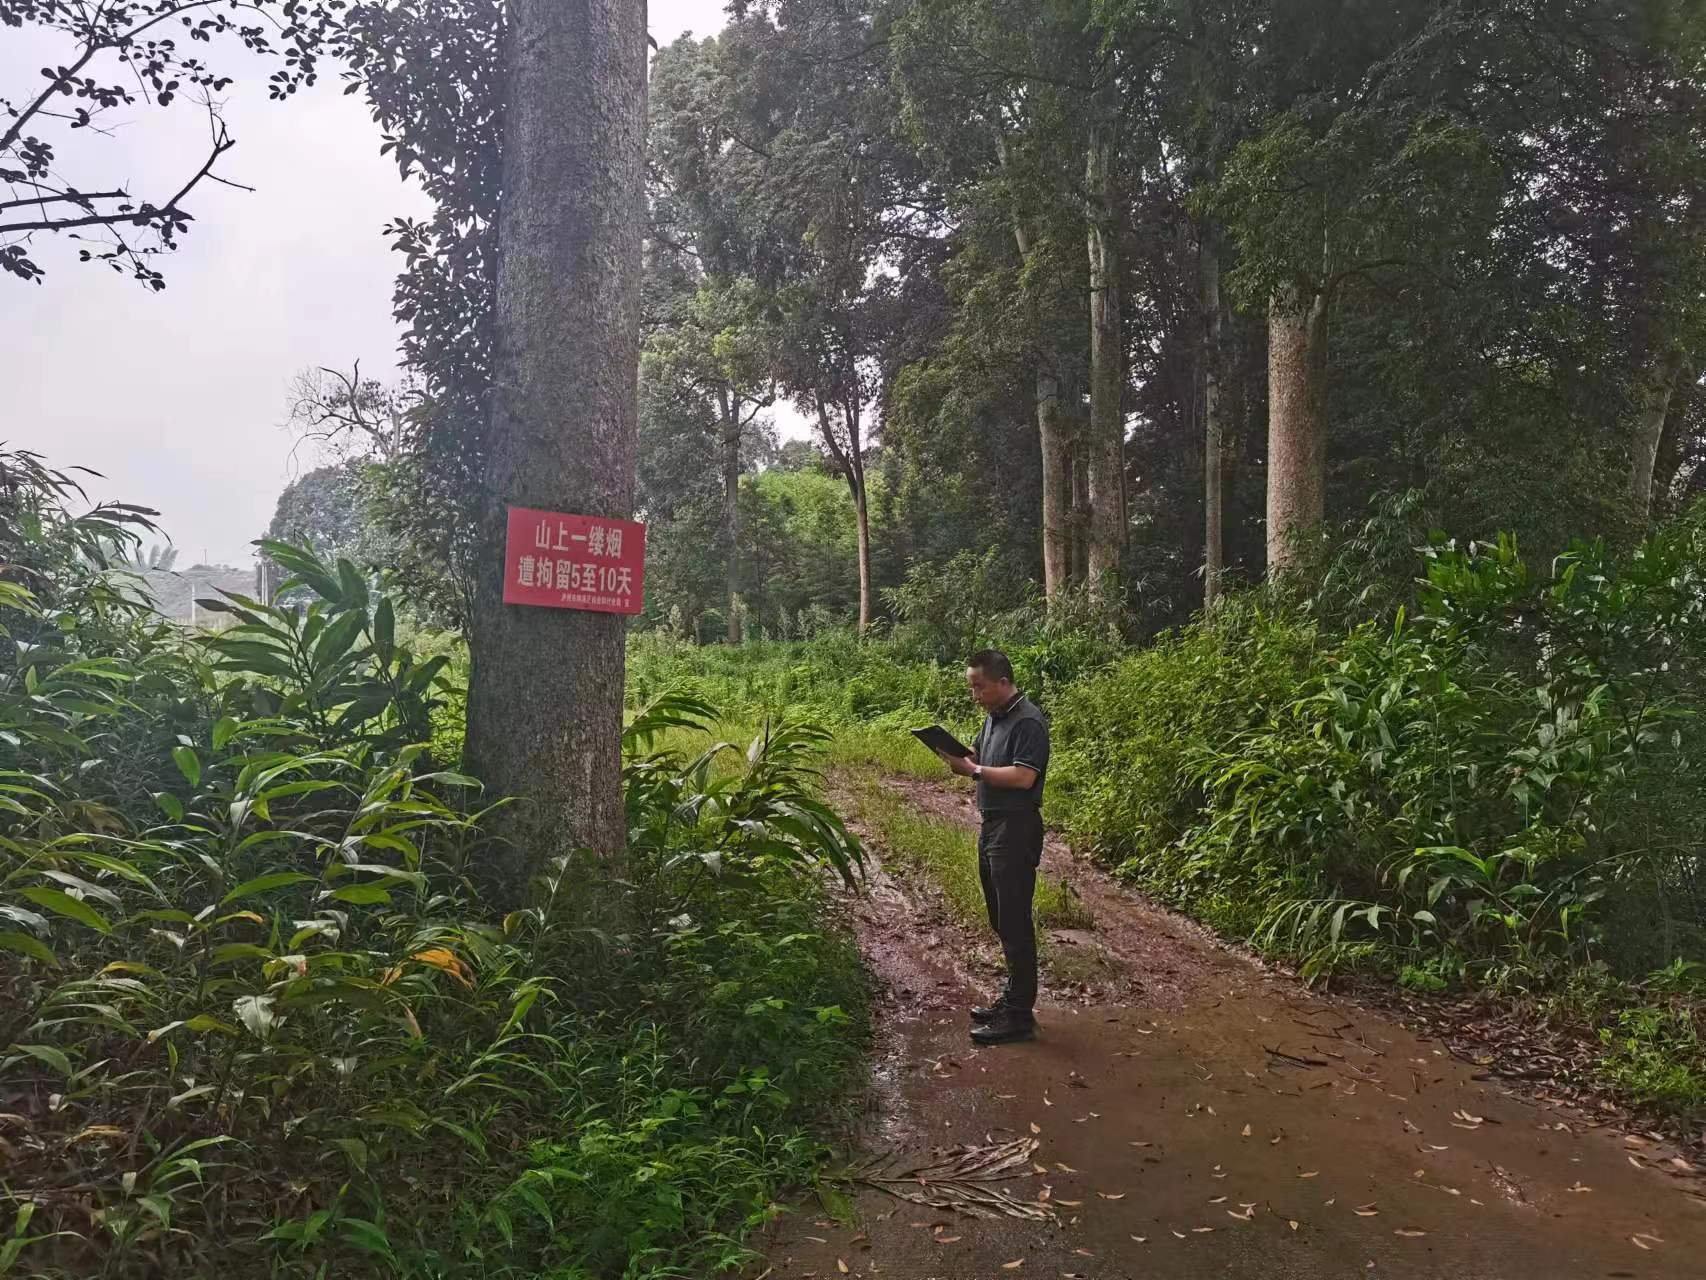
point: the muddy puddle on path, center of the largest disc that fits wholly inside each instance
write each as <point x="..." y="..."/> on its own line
<point x="1220" y="1122"/>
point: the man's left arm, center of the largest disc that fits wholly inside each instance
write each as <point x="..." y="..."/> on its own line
<point x="1010" y="777"/>
<point x="1030" y="758"/>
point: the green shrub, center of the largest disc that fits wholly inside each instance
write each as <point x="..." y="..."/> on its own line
<point x="255" y="1011"/>
<point x="1126" y="741"/>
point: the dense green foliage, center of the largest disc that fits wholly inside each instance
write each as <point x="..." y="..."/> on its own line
<point x="1498" y="212"/>
<point x="258" y="1016"/>
<point x="1451" y="767"/>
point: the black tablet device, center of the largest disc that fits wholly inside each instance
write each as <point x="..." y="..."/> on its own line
<point x="939" y="739"/>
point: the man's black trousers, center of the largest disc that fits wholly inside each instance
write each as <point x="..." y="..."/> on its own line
<point x="1009" y="847"/>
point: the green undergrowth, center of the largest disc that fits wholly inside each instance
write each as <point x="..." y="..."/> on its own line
<point x="1440" y="764"/>
<point x="263" y="1012"/>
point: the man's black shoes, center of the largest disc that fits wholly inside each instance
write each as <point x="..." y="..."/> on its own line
<point x="1007" y="1026"/>
<point x="981" y="1013"/>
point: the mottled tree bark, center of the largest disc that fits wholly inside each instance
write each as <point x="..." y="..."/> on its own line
<point x="849" y="456"/>
<point x="862" y="515"/>
<point x="1106" y="452"/>
<point x="1080" y="515"/>
<point x="545" y="691"/>
<point x="1057" y="487"/>
<point x="1214" y="492"/>
<point x="1297" y="428"/>
<point x="729" y="408"/>
<point x="1655" y="385"/>
<point x="1056" y="447"/>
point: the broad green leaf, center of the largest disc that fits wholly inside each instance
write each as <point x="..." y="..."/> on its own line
<point x="189" y="764"/>
<point x="53" y="1057"/>
<point x="384" y="629"/>
<point x="261" y="884"/>
<point x="361" y="895"/>
<point x="23" y="944"/>
<point x="64" y="904"/>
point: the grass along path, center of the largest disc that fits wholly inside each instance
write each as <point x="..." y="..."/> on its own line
<point x="919" y="841"/>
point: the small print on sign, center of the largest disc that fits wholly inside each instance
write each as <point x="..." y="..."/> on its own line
<point x="574" y="562"/>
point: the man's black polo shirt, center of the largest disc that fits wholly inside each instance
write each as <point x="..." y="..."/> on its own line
<point x="1016" y="734"/>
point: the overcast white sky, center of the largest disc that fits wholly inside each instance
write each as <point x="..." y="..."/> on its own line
<point x="177" y="397"/>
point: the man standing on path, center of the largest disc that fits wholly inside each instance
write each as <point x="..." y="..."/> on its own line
<point x="1008" y="762"/>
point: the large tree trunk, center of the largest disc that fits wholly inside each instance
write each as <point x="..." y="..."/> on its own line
<point x="1673" y="447"/>
<point x="545" y="691"/>
<point x="1655" y="386"/>
<point x="849" y="456"/>
<point x="1056" y="444"/>
<point x="1214" y="492"/>
<point x="1080" y="541"/>
<point x="1297" y="428"/>
<point x="1057" y="487"/>
<point x="731" y="508"/>
<point x="1107" y="374"/>
<point x="861" y="514"/>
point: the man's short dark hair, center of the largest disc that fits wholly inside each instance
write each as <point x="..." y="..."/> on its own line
<point x="993" y="663"/>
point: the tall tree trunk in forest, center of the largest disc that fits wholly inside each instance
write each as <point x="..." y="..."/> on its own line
<point x="1297" y="426"/>
<point x="729" y="407"/>
<point x="1106" y="451"/>
<point x="861" y="513"/>
<point x="1057" y="463"/>
<point x="849" y="455"/>
<point x="1080" y="520"/>
<point x="1673" y="447"/>
<point x="545" y="690"/>
<point x="1057" y="487"/>
<point x="1214" y="492"/>
<point x="1655" y="385"/>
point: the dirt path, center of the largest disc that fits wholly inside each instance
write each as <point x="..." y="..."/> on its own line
<point x="1198" y="1115"/>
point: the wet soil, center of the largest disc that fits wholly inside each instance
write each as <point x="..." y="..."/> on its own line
<point x="1199" y="1114"/>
